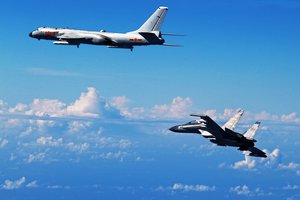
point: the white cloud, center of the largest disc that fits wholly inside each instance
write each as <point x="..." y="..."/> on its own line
<point x="272" y="157"/>
<point x="121" y="103"/>
<point x="244" y="163"/>
<point x="11" y="185"/>
<point x="291" y="187"/>
<point x="3" y="143"/>
<point x="2" y="106"/>
<point x="55" y="187"/>
<point x="292" y="117"/>
<point x="251" y="162"/>
<point x="79" y="148"/>
<point x="195" y="188"/>
<point x="32" y="184"/>
<point x="91" y="104"/>
<point x="35" y="157"/>
<point x="180" y="107"/>
<point x="76" y="126"/>
<point x="290" y="166"/>
<point x="124" y="143"/>
<point x="119" y="155"/>
<point x="46" y="107"/>
<point x="88" y="104"/>
<point x="49" y="141"/>
<point x="240" y="190"/>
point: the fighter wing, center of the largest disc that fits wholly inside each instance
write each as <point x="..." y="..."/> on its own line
<point x="257" y="152"/>
<point x="231" y="124"/>
<point x="211" y="126"/>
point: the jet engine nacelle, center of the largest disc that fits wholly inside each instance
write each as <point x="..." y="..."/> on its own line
<point x="97" y="40"/>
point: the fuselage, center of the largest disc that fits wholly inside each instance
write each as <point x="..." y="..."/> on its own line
<point x="232" y="138"/>
<point x="76" y="37"/>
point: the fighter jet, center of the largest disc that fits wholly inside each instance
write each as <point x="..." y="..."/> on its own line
<point x="148" y="34"/>
<point x="225" y="135"/>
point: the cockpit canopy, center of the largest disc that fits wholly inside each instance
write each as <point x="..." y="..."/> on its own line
<point x="194" y="122"/>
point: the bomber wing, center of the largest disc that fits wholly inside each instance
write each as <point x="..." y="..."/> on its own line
<point x="232" y="122"/>
<point x="72" y="36"/>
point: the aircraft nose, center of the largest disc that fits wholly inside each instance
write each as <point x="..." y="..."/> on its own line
<point x="174" y="128"/>
<point x="30" y="34"/>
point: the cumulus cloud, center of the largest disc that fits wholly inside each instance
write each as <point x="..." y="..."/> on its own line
<point x="88" y="104"/>
<point x="244" y="190"/>
<point x="91" y="104"/>
<point x="292" y="117"/>
<point x="289" y="166"/>
<point x="80" y="148"/>
<point x="32" y="184"/>
<point x="77" y="126"/>
<point x="35" y="157"/>
<point x="55" y="187"/>
<point x="195" y="188"/>
<point x="121" y="103"/>
<point x="240" y="190"/>
<point x="119" y="155"/>
<point x="179" y="107"/>
<point x="244" y="163"/>
<point x="254" y="163"/>
<point x="11" y="185"/>
<point x="50" y="141"/>
<point x="3" y="143"/>
<point x="290" y="187"/>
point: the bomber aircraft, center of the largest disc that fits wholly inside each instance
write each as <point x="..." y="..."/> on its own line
<point x="225" y="135"/>
<point x="148" y="34"/>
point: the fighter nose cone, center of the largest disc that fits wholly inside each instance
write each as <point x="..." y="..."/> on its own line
<point x="174" y="128"/>
<point x="30" y="34"/>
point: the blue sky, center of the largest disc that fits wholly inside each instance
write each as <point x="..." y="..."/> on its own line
<point x="103" y="114"/>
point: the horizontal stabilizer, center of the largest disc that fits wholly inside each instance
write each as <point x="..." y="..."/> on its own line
<point x="257" y="152"/>
<point x="151" y="37"/>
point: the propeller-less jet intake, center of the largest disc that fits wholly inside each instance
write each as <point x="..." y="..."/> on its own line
<point x="148" y="34"/>
<point x="225" y="135"/>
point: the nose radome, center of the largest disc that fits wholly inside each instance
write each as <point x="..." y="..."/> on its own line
<point x="174" y="128"/>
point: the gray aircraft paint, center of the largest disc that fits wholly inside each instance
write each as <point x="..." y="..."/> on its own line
<point x="148" y="34"/>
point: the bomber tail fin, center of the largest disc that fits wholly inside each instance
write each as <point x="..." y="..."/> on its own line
<point x="155" y="21"/>
<point x="250" y="133"/>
